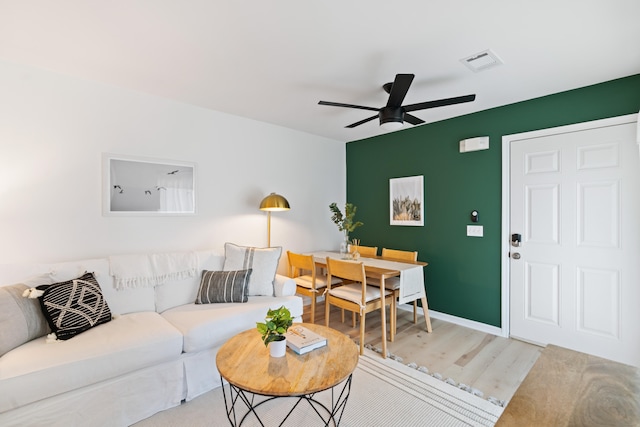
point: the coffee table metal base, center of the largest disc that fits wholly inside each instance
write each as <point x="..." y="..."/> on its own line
<point x="240" y="404"/>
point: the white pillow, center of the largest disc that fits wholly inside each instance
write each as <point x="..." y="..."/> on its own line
<point x="263" y="262"/>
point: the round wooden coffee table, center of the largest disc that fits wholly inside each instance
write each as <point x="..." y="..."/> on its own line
<point x="255" y="378"/>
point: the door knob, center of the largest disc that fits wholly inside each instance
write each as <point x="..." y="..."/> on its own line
<point x="515" y="255"/>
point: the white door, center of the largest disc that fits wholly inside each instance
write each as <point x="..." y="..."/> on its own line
<point x="575" y="201"/>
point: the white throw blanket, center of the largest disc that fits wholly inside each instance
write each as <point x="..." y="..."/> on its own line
<point x="411" y="285"/>
<point x="135" y="271"/>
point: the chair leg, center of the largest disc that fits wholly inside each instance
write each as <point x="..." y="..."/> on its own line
<point x="392" y="327"/>
<point x="342" y="315"/>
<point x="313" y="308"/>
<point x="415" y="311"/>
<point x="383" y="326"/>
<point x="362" y="317"/>
<point x="353" y="319"/>
<point x="327" y="308"/>
<point x="425" y="309"/>
<point x="394" y="310"/>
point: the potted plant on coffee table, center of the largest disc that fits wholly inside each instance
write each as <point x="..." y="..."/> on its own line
<point x="273" y="329"/>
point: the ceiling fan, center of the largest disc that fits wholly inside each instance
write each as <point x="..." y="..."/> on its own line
<point x="394" y="113"/>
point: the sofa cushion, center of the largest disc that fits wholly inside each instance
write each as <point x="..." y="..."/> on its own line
<point x="223" y="286"/>
<point x="21" y="319"/>
<point x="177" y="292"/>
<point x="37" y="370"/>
<point x="263" y="261"/>
<point x="210" y="325"/>
<point x="74" y="306"/>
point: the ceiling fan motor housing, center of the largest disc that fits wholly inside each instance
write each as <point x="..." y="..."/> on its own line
<point x="391" y="114"/>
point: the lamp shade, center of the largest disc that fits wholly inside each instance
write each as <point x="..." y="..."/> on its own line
<point x="274" y="202"/>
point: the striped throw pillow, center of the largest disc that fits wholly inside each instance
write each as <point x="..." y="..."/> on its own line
<point x="223" y="286"/>
<point x="263" y="261"/>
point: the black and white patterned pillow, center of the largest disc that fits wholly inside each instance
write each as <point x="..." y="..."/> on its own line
<point x="223" y="286"/>
<point x="74" y="306"/>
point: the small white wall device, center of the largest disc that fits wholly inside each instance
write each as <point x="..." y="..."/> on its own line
<point x="474" y="144"/>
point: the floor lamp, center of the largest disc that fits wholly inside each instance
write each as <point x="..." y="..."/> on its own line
<point x="273" y="202"/>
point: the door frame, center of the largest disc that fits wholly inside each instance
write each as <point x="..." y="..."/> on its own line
<point x="505" y="245"/>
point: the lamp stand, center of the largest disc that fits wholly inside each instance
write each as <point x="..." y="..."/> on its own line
<point x="268" y="229"/>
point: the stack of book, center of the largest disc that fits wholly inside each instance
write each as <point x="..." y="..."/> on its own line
<point x="302" y="340"/>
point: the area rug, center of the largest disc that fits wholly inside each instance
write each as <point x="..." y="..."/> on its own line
<point x="383" y="393"/>
<point x="450" y="381"/>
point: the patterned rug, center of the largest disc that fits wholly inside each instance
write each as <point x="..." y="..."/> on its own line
<point x="383" y="393"/>
<point x="438" y="376"/>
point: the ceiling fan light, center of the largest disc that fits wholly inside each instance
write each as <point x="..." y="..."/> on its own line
<point x="391" y="118"/>
<point x="390" y="126"/>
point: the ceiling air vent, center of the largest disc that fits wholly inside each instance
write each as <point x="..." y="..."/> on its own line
<point x="482" y="61"/>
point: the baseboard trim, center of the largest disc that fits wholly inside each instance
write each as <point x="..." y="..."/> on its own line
<point x="471" y="324"/>
<point x="461" y="321"/>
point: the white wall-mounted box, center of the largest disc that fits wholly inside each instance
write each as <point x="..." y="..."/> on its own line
<point x="474" y="144"/>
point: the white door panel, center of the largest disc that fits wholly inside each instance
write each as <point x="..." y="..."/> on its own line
<point x="542" y="214"/>
<point x="575" y="198"/>
<point x="542" y="293"/>
<point x="599" y="214"/>
<point x="598" y="297"/>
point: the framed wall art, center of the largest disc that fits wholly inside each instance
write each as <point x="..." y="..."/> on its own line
<point x="145" y="186"/>
<point x="406" y="201"/>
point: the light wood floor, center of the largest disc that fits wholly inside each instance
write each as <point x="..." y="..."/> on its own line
<point x="494" y="365"/>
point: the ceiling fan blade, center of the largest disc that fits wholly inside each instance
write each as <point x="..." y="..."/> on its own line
<point x="412" y="119"/>
<point x="399" y="89"/>
<point x="439" y="103"/>
<point x="339" y="104"/>
<point x="352" y="125"/>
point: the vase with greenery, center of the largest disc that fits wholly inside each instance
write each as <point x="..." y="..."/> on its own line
<point x="274" y="327"/>
<point x="345" y="222"/>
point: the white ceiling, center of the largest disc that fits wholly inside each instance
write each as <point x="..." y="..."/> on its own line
<point x="273" y="60"/>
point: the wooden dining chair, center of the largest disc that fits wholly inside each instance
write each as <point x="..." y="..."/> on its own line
<point x="366" y="251"/>
<point x="302" y="269"/>
<point x="356" y="297"/>
<point x="400" y="255"/>
<point x="394" y="283"/>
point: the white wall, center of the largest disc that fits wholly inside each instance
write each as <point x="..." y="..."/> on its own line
<point x="54" y="129"/>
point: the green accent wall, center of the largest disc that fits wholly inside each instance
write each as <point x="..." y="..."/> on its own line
<point x="463" y="275"/>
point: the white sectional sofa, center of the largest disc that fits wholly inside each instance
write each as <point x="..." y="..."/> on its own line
<point x="158" y="350"/>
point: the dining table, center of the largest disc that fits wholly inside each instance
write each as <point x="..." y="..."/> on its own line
<point x="411" y="278"/>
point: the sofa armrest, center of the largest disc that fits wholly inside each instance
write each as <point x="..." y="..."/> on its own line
<point x="284" y="286"/>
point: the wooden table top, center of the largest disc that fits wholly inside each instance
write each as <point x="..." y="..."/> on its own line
<point x="320" y="259"/>
<point x="568" y="388"/>
<point x="244" y="361"/>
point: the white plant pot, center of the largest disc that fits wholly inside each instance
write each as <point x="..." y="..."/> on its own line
<point x="278" y="348"/>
